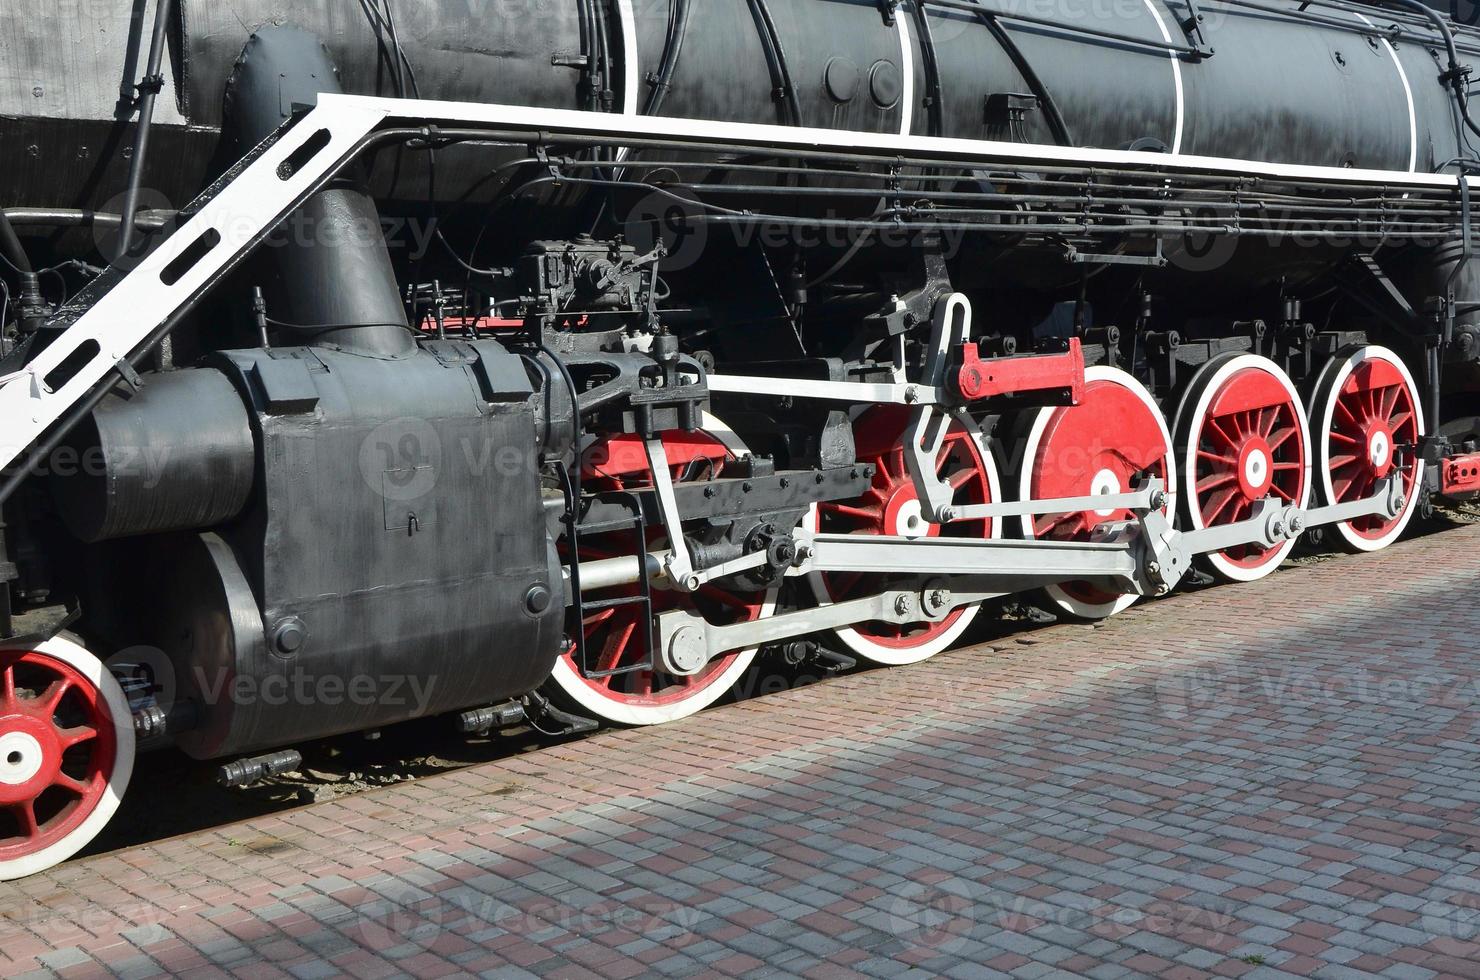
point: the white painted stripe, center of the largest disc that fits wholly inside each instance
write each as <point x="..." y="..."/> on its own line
<point x="606" y="125"/>
<point x="1407" y="94"/>
<point x="907" y="70"/>
<point x="1176" y="76"/>
<point x="629" y="57"/>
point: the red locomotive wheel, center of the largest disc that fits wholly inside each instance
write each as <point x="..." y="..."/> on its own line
<point x="892" y="507"/>
<point x="1100" y="446"/>
<point x="615" y="636"/>
<point x="66" y="754"/>
<point x="1367" y="417"/>
<point x="1243" y="436"/>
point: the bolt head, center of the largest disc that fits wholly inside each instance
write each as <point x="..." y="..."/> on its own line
<point x="903" y="605"/>
<point x="691" y="583"/>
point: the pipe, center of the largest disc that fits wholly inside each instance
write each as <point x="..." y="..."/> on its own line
<point x="609" y="573"/>
<point x="10" y="245"/>
<point x="149" y="90"/>
<point x="31" y="309"/>
<point x="78" y="217"/>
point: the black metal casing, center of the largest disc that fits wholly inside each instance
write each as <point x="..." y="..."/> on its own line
<point x="394" y="549"/>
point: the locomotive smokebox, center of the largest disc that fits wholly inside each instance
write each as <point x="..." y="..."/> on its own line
<point x="178" y="454"/>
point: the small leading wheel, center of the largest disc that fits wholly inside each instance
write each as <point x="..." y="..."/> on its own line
<point x="1100" y="446"/>
<point x="1242" y="434"/>
<point x="616" y="684"/>
<point x="1366" y="419"/>
<point x="892" y="507"/>
<point x="66" y="753"/>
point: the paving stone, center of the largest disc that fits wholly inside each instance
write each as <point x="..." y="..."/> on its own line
<point x="1156" y="795"/>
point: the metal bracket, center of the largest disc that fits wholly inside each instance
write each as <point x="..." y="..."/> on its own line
<point x="680" y="569"/>
<point x="926" y="432"/>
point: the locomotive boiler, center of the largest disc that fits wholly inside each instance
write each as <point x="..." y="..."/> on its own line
<point x="554" y="362"/>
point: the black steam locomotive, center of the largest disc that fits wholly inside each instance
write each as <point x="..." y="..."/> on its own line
<point x="547" y="362"/>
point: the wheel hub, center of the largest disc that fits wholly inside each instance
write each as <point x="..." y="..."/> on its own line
<point x="905" y="517"/>
<point x="30" y="758"/>
<point x="1379" y="450"/>
<point x="1105" y="483"/>
<point x="1255" y="469"/>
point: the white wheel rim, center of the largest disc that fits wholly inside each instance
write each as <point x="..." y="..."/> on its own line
<point x="1062" y="598"/>
<point x="892" y="656"/>
<point x="1332" y="379"/>
<point x="1187" y="429"/>
<point x="74" y="655"/>
<point x="620" y="712"/>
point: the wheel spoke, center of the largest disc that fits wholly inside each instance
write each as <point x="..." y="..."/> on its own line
<point x="1389" y="401"/>
<point x="616" y="645"/>
<point x="1215" y="426"/>
<point x="53" y="695"/>
<point x="1217" y="457"/>
<point x="25" y="816"/>
<point x="865" y="516"/>
<point x="595" y="620"/>
<point x="1278" y="439"/>
<point x="7" y="688"/>
<point x="1345" y="410"/>
<point x="72" y="784"/>
<point x="1217" y="505"/>
<point x="1268" y="419"/>
<point x="958" y="480"/>
<point x="1215" y="481"/>
<point x="69" y="737"/>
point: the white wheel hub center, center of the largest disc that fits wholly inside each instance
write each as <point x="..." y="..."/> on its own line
<point x="1256" y="468"/>
<point x="1378" y="449"/>
<point x="1104" y="484"/>
<point x="910" y="520"/>
<point x="20" y="758"/>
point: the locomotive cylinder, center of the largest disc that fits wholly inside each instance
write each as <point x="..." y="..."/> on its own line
<point x="177" y="454"/>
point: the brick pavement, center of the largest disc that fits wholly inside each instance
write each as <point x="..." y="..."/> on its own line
<point x="1257" y="781"/>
